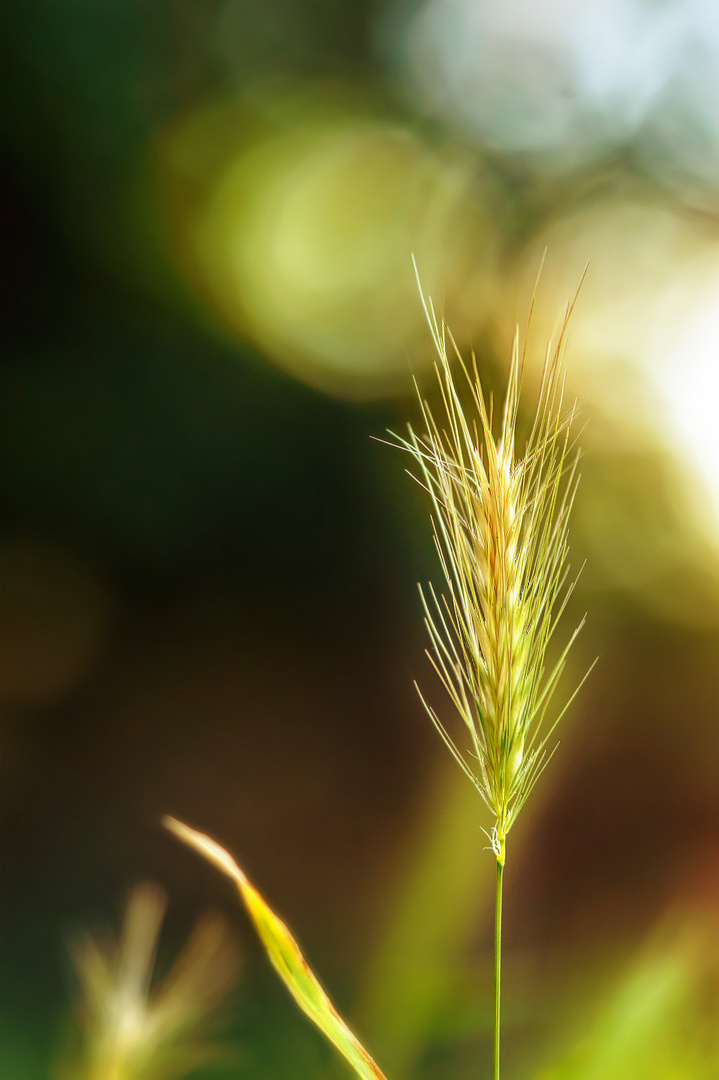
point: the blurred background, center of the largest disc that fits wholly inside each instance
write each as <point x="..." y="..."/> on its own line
<point x="208" y="600"/>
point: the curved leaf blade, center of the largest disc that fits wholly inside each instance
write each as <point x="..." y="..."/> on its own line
<point x="284" y="954"/>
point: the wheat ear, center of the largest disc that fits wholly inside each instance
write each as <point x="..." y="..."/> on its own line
<point x="500" y="524"/>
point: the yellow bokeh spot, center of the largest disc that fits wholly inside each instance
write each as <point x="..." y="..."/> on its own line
<point x="302" y="241"/>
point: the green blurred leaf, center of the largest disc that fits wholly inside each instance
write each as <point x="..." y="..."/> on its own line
<point x="648" y="1028"/>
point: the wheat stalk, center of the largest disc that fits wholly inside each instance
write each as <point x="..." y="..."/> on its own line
<point x="500" y="523"/>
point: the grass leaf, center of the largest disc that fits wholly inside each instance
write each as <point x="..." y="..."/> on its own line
<point x="284" y="953"/>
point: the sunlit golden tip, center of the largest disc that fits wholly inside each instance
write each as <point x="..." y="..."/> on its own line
<point x="206" y="846"/>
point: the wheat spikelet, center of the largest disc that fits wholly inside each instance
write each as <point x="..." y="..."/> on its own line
<point x="500" y="525"/>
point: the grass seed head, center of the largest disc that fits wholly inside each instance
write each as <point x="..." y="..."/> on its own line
<point x="132" y="1029"/>
<point x="500" y="524"/>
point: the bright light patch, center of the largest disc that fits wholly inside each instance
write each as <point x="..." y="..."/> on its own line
<point x="687" y="373"/>
<point x="302" y="241"/>
<point x="645" y="332"/>
<point x="557" y="81"/>
<point x="561" y="83"/>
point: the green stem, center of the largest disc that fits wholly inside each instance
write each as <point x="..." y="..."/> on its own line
<point x="498" y="960"/>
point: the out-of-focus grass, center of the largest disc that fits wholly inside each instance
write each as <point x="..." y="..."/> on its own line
<point x="133" y="1029"/>
<point x="659" y="1021"/>
<point x="439" y="893"/>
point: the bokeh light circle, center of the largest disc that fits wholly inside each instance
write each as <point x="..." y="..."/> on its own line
<point x="303" y="243"/>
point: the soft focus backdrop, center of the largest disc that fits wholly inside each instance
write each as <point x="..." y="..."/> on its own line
<point x="208" y="599"/>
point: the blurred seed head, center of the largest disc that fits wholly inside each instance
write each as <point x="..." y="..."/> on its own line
<point x="133" y="1029"/>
